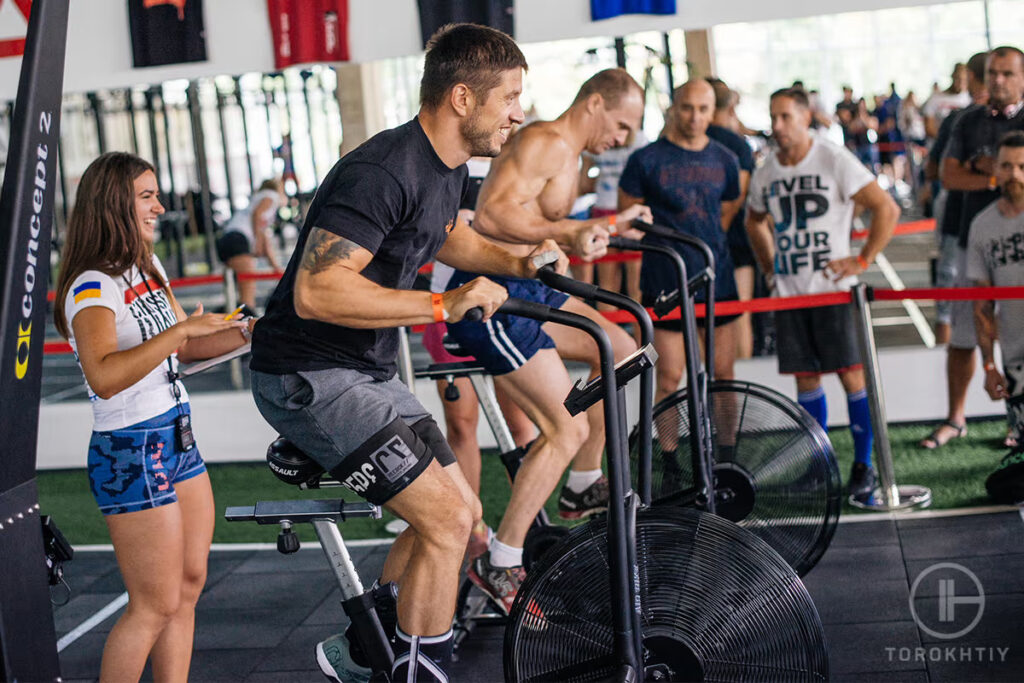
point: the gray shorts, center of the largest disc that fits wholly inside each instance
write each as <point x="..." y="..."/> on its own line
<point x="962" y="335"/>
<point x="373" y="436"/>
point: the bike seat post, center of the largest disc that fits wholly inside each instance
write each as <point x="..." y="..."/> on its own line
<point x="329" y="535"/>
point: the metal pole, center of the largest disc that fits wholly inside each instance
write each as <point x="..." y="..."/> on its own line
<point x="129" y="107"/>
<point x="224" y="146"/>
<point x="620" y="52"/>
<point x="245" y="132"/>
<point x="175" y="203"/>
<point x="230" y="304"/>
<point x="199" y="142"/>
<point x="892" y="497"/>
<point x="97" y="113"/>
<point x="667" y="57"/>
<point x="988" y="29"/>
<point x="405" y="370"/>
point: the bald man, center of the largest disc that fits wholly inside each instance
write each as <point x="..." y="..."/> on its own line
<point x="526" y="199"/>
<point x="690" y="182"/>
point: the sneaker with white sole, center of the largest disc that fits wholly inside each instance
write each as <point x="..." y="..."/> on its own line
<point x="336" y="663"/>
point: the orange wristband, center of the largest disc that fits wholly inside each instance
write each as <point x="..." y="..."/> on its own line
<point x="862" y="262"/>
<point x="611" y="224"/>
<point x="437" y="302"/>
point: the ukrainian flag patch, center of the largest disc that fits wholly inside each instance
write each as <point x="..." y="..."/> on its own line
<point x="87" y="290"/>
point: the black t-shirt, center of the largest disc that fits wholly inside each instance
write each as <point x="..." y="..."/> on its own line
<point x="954" y="200"/>
<point x="976" y="133"/>
<point x="392" y="196"/>
<point x="737" y="144"/>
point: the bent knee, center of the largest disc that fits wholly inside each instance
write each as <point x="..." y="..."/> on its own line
<point x="449" y="528"/>
<point x="569" y="435"/>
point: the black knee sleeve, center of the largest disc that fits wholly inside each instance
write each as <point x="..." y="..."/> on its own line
<point x="385" y="463"/>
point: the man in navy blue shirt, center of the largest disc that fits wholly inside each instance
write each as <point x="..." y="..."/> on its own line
<point x="685" y="177"/>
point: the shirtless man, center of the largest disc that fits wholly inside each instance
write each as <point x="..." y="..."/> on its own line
<point x="525" y="200"/>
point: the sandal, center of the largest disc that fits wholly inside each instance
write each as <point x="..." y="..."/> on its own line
<point x="933" y="441"/>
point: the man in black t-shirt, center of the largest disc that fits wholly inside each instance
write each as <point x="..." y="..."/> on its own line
<point x="324" y="355"/>
<point x="967" y="167"/>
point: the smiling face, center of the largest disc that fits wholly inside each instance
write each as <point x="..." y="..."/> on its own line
<point x="490" y="122"/>
<point x="147" y="206"/>
<point x="613" y="124"/>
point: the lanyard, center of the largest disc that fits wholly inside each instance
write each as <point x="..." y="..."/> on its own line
<point x="172" y="376"/>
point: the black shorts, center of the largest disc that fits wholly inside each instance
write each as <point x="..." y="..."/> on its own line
<point x="813" y="341"/>
<point x="739" y="247"/>
<point x="232" y="244"/>
<point x="677" y="325"/>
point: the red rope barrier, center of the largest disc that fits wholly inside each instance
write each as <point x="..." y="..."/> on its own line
<point x="950" y="294"/>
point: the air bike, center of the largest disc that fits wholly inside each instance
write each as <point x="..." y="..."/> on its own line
<point x="771" y="464"/>
<point x="660" y="594"/>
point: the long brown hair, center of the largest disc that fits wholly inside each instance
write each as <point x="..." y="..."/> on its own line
<point x="103" y="232"/>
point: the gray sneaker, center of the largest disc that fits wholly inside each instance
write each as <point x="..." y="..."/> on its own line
<point x="335" y="662"/>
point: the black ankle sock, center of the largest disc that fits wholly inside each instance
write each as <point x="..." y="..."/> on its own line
<point x="424" y="659"/>
<point x="385" y="600"/>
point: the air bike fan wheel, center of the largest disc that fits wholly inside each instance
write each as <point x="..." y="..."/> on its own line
<point x="775" y="470"/>
<point x="717" y="604"/>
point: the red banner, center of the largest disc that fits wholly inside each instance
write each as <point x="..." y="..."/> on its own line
<point x="308" y="31"/>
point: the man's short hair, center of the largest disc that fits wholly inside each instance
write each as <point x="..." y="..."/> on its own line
<point x="798" y="95"/>
<point x="976" y="66"/>
<point x="610" y="84"/>
<point x="1007" y="50"/>
<point x="1014" y="140"/>
<point x="473" y="55"/>
<point x="723" y="93"/>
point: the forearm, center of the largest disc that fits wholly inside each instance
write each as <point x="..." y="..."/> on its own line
<point x="211" y="346"/>
<point x="119" y="370"/>
<point x="985" y="324"/>
<point x="346" y="298"/>
<point x="762" y="242"/>
<point x="511" y="223"/>
<point x="880" y="231"/>
<point x="467" y="250"/>
<point x="729" y="211"/>
<point x="957" y="176"/>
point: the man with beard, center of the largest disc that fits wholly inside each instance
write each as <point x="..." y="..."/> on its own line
<point x="968" y="167"/>
<point x="799" y="213"/>
<point x="995" y="256"/>
<point x="323" y="364"/>
<point x="525" y="200"/>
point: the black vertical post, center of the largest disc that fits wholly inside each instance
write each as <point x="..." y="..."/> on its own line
<point x="96" y="106"/>
<point x="28" y="641"/>
<point x="205" y="213"/>
<point x="667" y="56"/>
<point x="620" y="52"/>
<point x="154" y="145"/>
<point x="245" y="132"/>
<point x="224" y="146"/>
<point x="175" y="200"/>
<point x="63" y="194"/>
<point x="306" y="75"/>
<point x="129" y="107"/>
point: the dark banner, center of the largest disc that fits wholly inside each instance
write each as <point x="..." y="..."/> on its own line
<point x="436" y="13"/>
<point x="606" y="9"/>
<point x="29" y="651"/>
<point x="308" y="31"/>
<point x="167" y="31"/>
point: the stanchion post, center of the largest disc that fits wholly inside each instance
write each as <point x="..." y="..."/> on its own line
<point x="893" y="497"/>
<point x="230" y="304"/>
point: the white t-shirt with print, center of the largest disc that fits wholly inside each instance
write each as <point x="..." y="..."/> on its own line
<point x="140" y="313"/>
<point x="995" y="254"/>
<point x="811" y="206"/>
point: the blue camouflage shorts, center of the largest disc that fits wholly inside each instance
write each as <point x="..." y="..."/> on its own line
<point x="136" y="468"/>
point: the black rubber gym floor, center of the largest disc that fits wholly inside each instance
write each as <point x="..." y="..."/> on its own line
<point x="262" y="613"/>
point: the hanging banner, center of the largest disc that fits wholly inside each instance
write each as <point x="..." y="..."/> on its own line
<point x="436" y="13"/>
<point x="308" y="31"/>
<point x="28" y="649"/>
<point x="606" y="9"/>
<point x="167" y="32"/>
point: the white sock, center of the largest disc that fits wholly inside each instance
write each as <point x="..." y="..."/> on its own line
<point x="580" y="480"/>
<point x="505" y="555"/>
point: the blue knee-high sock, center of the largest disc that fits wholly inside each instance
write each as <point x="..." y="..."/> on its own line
<point x="814" y="403"/>
<point x="860" y="426"/>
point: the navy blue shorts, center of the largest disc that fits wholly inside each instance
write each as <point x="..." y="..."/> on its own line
<point x="136" y="468"/>
<point x="506" y="342"/>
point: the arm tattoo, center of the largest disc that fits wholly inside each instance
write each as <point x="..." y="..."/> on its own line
<point x="325" y="249"/>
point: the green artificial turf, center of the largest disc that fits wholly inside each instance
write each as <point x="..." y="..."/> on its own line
<point x="955" y="473"/>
